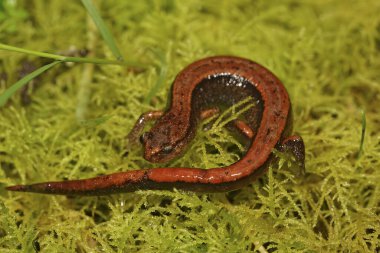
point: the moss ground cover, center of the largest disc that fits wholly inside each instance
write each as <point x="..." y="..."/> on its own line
<point x="327" y="53"/>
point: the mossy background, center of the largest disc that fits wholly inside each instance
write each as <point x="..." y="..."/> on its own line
<point x="327" y="53"/>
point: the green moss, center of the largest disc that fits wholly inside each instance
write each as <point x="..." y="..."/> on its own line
<point x="327" y="54"/>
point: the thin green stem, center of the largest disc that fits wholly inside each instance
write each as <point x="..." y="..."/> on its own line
<point x="103" y="29"/>
<point x="20" y="83"/>
<point x="71" y="59"/>
<point x="364" y="126"/>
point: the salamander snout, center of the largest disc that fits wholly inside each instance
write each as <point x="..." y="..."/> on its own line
<point x="158" y="147"/>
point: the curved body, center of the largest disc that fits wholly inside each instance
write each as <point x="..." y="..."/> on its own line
<point x="203" y="84"/>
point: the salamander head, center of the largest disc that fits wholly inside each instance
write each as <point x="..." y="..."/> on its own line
<point x="165" y="140"/>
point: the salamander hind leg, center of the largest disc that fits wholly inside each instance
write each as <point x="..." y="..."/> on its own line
<point x="238" y="124"/>
<point x="243" y="128"/>
<point x="295" y="145"/>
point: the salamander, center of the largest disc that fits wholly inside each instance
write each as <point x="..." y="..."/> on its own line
<point x="198" y="92"/>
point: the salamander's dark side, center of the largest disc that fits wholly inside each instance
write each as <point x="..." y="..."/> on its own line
<point x="202" y="86"/>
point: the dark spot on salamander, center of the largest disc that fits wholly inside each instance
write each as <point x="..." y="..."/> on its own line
<point x="145" y="176"/>
<point x="167" y="130"/>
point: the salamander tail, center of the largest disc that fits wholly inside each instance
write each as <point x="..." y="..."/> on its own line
<point x="17" y="188"/>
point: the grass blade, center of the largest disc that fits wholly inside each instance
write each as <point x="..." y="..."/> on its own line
<point x="104" y="31"/>
<point x="70" y="59"/>
<point x="158" y="84"/>
<point x="163" y="69"/>
<point x="364" y="126"/>
<point x="20" y="83"/>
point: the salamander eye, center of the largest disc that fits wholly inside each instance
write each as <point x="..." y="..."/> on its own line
<point x="167" y="149"/>
<point x="144" y="137"/>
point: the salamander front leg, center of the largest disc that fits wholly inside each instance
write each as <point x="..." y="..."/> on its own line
<point x="295" y="145"/>
<point x="135" y="133"/>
